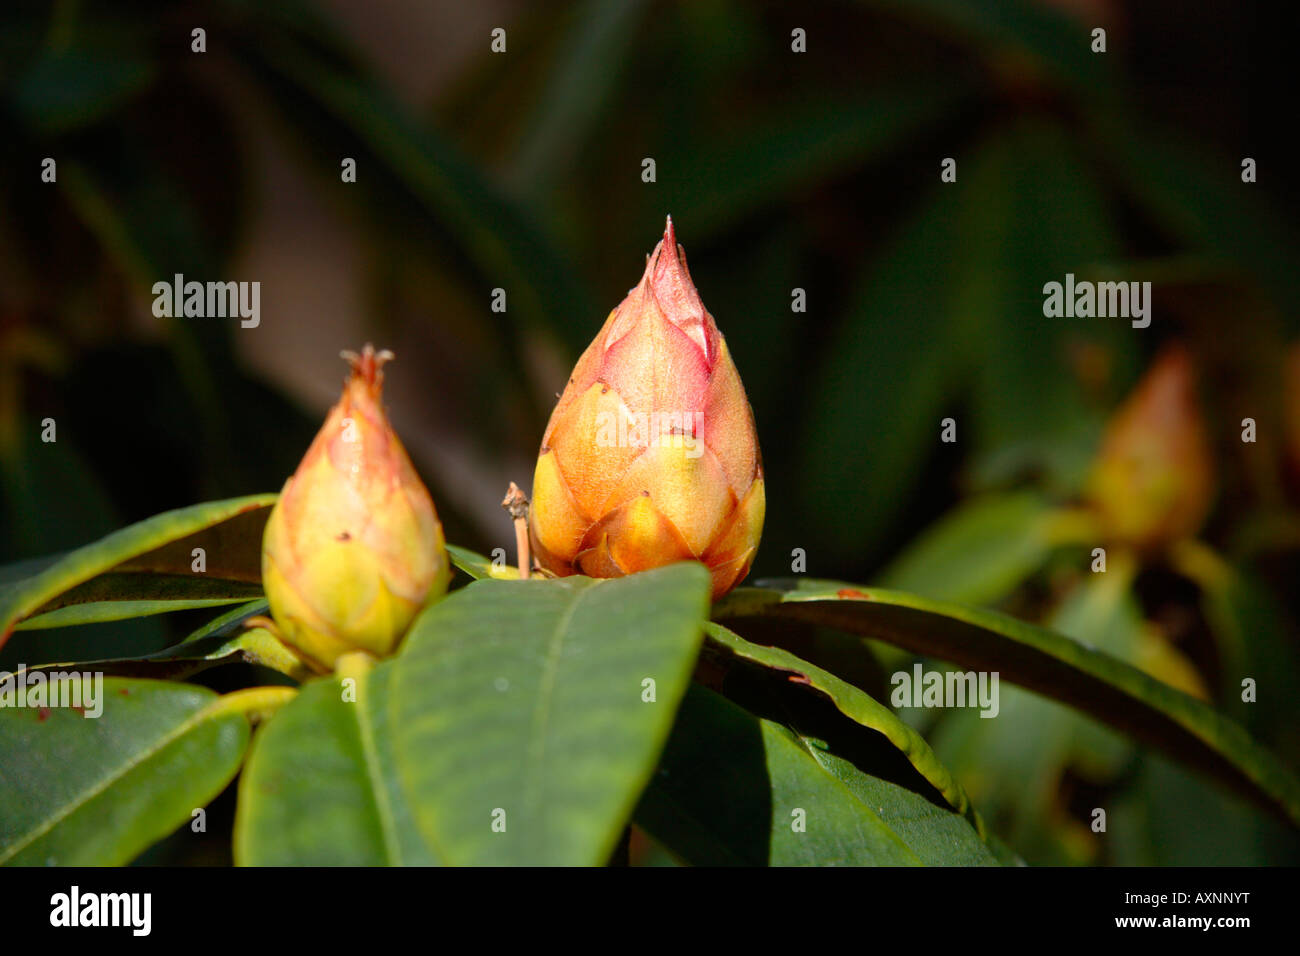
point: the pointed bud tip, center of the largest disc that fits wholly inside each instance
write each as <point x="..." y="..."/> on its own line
<point x="658" y="262"/>
<point x="668" y="279"/>
<point x="369" y="365"/>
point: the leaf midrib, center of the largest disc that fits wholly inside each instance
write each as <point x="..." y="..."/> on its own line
<point x="871" y="816"/>
<point x="370" y="754"/>
<point x="545" y="697"/>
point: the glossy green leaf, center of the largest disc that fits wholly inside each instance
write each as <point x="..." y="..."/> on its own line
<point x="94" y="791"/>
<point x="97" y="612"/>
<point x="735" y="790"/>
<point x="935" y="834"/>
<point x="478" y="567"/>
<point x="1014" y="763"/>
<point x="859" y="707"/>
<point x="228" y="531"/>
<point x="229" y="623"/>
<point x="525" y="704"/>
<point x="321" y="785"/>
<point x="1051" y="664"/>
<point x="223" y="640"/>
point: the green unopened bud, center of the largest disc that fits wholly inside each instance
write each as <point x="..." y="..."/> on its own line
<point x="353" y="548"/>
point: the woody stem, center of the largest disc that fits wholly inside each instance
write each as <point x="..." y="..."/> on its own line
<point x="516" y="503"/>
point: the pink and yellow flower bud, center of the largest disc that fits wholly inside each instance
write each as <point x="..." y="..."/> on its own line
<point x="353" y="547"/>
<point x="650" y="456"/>
<point x="1153" y="481"/>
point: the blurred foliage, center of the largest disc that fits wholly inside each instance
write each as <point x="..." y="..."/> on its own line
<point x="818" y="171"/>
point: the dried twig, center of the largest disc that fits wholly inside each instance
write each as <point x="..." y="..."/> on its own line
<point x="516" y="502"/>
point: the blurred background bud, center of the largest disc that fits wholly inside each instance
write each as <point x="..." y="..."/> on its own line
<point x="1153" y="478"/>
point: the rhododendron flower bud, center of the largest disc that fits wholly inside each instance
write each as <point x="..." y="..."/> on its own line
<point x="1152" y="482"/>
<point x="650" y="456"/>
<point x="353" y="547"/>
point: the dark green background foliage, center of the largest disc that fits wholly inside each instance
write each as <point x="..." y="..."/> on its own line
<point x="781" y="170"/>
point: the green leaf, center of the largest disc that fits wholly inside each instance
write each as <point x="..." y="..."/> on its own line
<point x="478" y="567"/>
<point x="223" y="640"/>
<point x="1014" y="764"/>
<point x="979" y="552"/>
<point x="935" y="834"/>
<point x="859" y="707"/>
<point x="232" y="622"/>
<point x="115" y="609"/>
<point x="1043" y="661"/>
<point x="95" y="791"/>
<point x="229" y="532"/>
<point x="730" y="788"/>
<point x="525" y="698"/>
<point x="321" y="785"/>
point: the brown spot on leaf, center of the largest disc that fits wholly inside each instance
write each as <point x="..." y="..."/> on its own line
<point x="344" y="536"/>
<point x="43" y="714"/>
<point x="852" y="594"/>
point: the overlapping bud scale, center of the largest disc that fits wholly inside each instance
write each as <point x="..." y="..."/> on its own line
<point x="353" y="547"/>
<point x="651" y="455"/>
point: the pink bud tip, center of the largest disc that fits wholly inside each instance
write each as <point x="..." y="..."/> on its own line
<point x="368" y="366"/>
